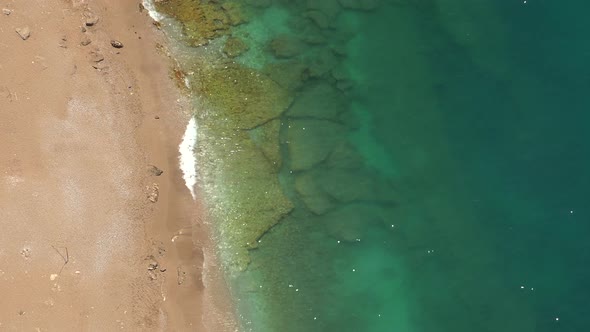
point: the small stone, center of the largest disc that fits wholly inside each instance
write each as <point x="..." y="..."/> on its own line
<point x="91" y="21"/>
<point x="153" y="265"/>
<point x="24" y="32"/>
<point x="116" y="44"/>
<point x="85" y="41"/>
<point x="155" y="170"/>
<point x="83" y="29"/>
<point x="6" y="11"/>
<point x="157" y="117"/>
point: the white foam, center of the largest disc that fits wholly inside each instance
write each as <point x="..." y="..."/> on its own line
<point x="188" y="161"/>
<point x="149" y="6"/>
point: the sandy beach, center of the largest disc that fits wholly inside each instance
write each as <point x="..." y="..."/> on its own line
<point x="93" y="237"/>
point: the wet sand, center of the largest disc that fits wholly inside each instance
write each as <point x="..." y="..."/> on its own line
<point x="87" y="229"/>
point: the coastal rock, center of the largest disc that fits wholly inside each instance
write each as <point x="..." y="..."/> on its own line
<point x="286" y="46"/>
<point x="360" y="4"/>
<point x="321" y="101"/>
<point x="259" y="3"/>
<point x="245" y="98"/>
<point x="91" y="19"/>
<point x="234" y="13"/>
<point x="330" y="8"/>
<point x="252" y="197"/>
<point x="23" y="32"/>
<point x="351" y="222"/>
<point x="347" y="185"/>
<point x="266" y="138"/>
<point x="235" y="47"/>
<point x="288" y="74"/>
<point x="316" y="200"/>
<point x="319" y="18"/>
<point x="116" y="44"/>
<point x="345" y="156"/>
<point x="311" y="141"/>
<point x="85" y="41"/>
<point x="204" y="22"/>
<point x="322" y="62"/>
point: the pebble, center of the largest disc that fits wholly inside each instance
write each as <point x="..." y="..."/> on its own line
<point x="6" y="11"/>
<point x="91" y="21"/>
<point x="116" y="44"/>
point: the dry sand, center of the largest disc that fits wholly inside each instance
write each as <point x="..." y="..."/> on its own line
<point x="79" y="236"/>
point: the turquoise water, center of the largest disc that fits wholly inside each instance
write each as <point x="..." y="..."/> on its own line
<point x="437" y="160"/>
<point x="480" y="109"/>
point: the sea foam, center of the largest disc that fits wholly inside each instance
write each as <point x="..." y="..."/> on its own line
<point x="149" y="6"/>
<point x="188" y="161"/>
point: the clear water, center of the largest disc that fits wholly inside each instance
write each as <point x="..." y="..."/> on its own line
<point x="448" y="190"/>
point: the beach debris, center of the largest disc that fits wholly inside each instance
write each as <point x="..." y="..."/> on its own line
<point x="26" y="253"/>
<point x="85" y="41"/>
<point x="63" y="42"/>
<point x="23" y="32"/>
<point x="155" y="170"/>
<point x="6" y="11"/>
<point x="153" y="193"/>
<point x="116" y="44"/>
<point x="65" y="256"/>
<point x="180" y="275"/>
<point x="53" y="277"/>
<point x="153" y="264"/>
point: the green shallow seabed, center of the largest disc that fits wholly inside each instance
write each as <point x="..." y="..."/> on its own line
<point x="394" y="165"/>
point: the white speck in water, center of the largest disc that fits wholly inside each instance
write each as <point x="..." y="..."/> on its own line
<point x="353" y="270"/>
<point x="556" y="318"/>
<point x="188" y="160"/>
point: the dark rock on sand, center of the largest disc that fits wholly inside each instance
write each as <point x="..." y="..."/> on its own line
<point x="116" y="44"/>
<point x="153" y="170"/>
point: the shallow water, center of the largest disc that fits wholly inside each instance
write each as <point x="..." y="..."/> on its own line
<point x="436" y="160"/>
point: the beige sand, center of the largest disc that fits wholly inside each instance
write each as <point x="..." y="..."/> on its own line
<point x="79" y="236"/>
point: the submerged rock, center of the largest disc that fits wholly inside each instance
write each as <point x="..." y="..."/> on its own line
<point x="351" y="222"/>
<point x="314" y="197"/>
<point x="321" y="101"/>
<point x="360" y="4"/>
<point x="266" y="138"/>
<point x="243" y="97"/>
<point x="235" y="47"/>
<point x="286" y="46"/>
<point x="288" y="74"/>
<point x="311" y="141"/>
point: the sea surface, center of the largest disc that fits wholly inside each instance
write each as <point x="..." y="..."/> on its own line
<point x="433" y="165"/>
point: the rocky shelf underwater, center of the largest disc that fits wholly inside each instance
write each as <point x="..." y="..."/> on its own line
<point x="327" y="166"/>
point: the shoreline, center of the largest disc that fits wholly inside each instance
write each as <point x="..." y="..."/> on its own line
<point x="80" y="134"/>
